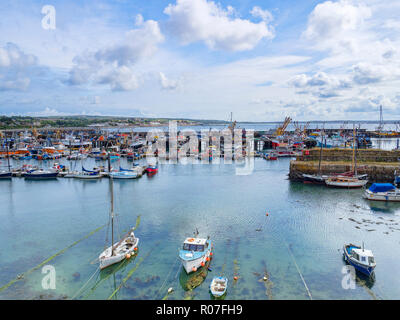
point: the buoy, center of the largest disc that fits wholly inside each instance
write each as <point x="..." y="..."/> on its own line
<point x="207" y="259"/>
<point x="170" y="290"/>
<point x="266" y="214"/>
<point x="265" y="278"/>
<point x="235" y="278"/>
<point x="135" y="249"/>
<point x="211" y="253"/>
<point x="202" y="264"/>
<point x="194" y="269"/>
<point x="128" y="256"/>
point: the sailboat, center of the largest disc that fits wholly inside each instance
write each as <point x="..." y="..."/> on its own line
<point x="316" y="178"/>
<point x="342" y="181"/>
<point x="123" y="249"/>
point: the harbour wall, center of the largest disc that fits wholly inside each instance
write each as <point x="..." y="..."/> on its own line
<point x="380" y="165"/>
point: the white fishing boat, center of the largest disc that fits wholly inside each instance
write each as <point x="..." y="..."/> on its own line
<point x="382" y="192"/>
<point x="123" y="249"/>
<point x="345" y="182"/>
<point x="196" y="252"/>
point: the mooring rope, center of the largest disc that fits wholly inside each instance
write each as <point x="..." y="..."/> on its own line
<point x="49" y="259"/>
<point x="86" y="283"/>
<point x="298" y="270"/>
<point x="159" y="290"/>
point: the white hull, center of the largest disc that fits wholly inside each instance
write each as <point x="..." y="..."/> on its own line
<point x="189" y="265"/>
<point x="382" y="196"/>
<point x="347" y="184"/>
<point x="121" y="249"/>
<point x="86" y="176"/>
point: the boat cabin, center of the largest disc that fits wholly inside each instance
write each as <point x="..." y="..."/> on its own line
<point x="195" y="244"/>
<point x="363" y="256"/>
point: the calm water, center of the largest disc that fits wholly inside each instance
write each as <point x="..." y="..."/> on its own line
<point x="305" y="229"/>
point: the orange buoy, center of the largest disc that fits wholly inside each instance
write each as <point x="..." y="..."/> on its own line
<point x="235" y="278"/>
<point x="202" y="264"/>
<point x="207" y="259"/>
<point x="194" y="269"/>
<point x="135" y="249"/>
<point x="211" y="253"/>
<point x="128" y="256"/>
<point x="266" y="214"/>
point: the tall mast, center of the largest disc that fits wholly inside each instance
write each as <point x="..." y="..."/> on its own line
<point x="354" y="148"/>
<point x="320" y="154"/>
<point x="112" y="214"/>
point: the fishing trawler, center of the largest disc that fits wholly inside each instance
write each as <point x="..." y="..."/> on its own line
<point x="124" y="248"/>
<point x="361" y="259"/>
<point x="195" y="253"/>
<point x="382" y="192"/>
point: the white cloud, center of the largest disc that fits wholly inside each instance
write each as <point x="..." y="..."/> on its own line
<point x="15" y="68"/>
<point x="331" y="23"/>
<point x="168" y="84"/>
<point x="264" y="15"/>
<point x="202" y="20"/>
<point x="114" y="66"/>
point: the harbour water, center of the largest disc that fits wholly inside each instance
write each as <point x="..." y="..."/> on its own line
<point x="301" y="238"/>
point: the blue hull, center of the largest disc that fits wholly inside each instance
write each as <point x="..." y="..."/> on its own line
<point x="41" y="176"/>
<point x="359" y="267"/>
<point x="5" y="175"/>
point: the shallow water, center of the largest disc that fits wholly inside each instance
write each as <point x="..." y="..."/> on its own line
<point x="304" y="232"/>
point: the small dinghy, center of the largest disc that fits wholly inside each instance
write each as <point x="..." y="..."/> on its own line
<point x="218" y="286"/>
<point x="121" y="250"/>
<point x="361" y="259"/>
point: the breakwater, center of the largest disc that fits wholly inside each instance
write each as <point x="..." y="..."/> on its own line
<point x="380" y="165"/>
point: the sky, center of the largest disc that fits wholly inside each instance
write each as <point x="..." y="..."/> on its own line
<point x="200" y="59"/>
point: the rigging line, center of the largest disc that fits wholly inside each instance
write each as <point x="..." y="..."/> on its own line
<point x="49" y="259"/>
<point x="159" y="290"/>
<point x="86" y="283"/>
<point x="298" y="270"/>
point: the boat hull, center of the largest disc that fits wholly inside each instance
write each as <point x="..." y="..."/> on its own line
<point x="349" y="184"/>
<point x="107" y="260"/>
<point x="382" y="196"/>
<point x="6" y="175"/>
<point x="32" y="176"/>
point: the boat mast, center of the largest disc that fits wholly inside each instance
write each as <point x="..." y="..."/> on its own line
<point x="112" y="214"/>
<point x="320" y="153"/>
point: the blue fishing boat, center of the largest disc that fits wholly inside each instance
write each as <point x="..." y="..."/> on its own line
<point x="361" y="259"/>
<point x="218" y="286"/>
<point x="195" y="253"/>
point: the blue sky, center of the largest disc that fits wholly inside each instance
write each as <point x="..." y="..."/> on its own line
<point x="261" y="60"/>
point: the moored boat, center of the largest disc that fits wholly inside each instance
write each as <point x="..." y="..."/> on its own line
<point x="382" y="192"/>
<point x="361" y="259"/>
<point x="195" y="253"/>
<point x="5" y="174"/>
<point x="218" y="286"/>
<point x="345" y="182"/>
<point x="123" y="175"/>
<point x="41" y="174"/>
<point x="152" y="169"/>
